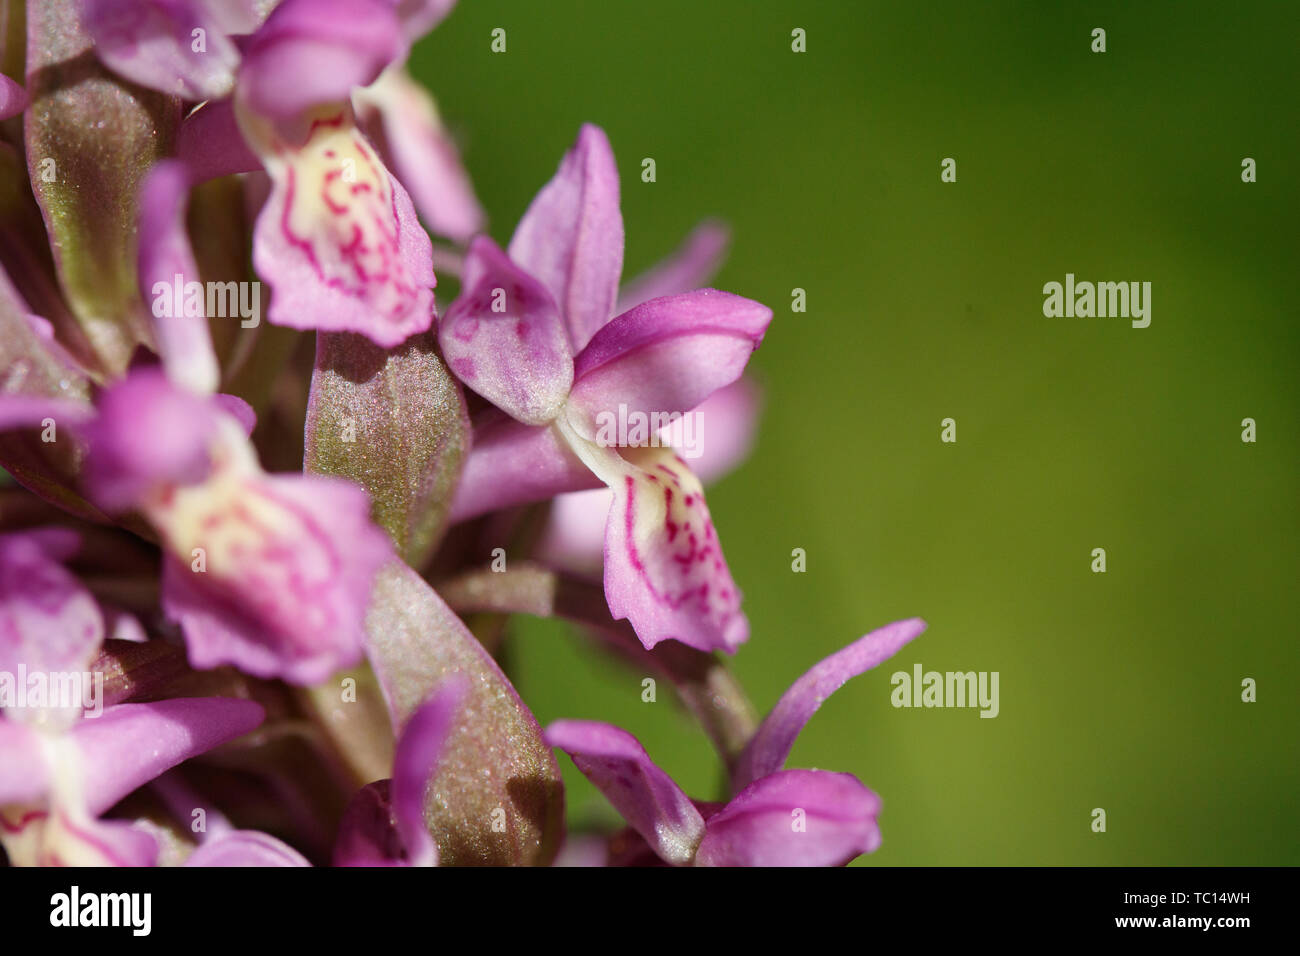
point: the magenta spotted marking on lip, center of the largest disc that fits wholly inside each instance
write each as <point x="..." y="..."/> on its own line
<point x="338" y="240"/>
<point x="23" y="822"/>
<point x="354" y="251"/>
<point x="687" y="560"/>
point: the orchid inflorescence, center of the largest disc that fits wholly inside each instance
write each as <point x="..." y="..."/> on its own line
<point x="209" y="663"/>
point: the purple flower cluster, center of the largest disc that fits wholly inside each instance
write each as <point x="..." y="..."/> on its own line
<point x="197" y="652"/>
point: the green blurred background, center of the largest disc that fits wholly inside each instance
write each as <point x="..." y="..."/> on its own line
<point x="1119" y="690"/>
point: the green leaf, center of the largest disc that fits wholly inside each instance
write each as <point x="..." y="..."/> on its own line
<point x="496" y="797"/>
<point x="90" y="139"/>
<point x="394" y="421"/>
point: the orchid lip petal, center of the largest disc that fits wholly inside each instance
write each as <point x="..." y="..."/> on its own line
<point x="664" y="567"/>
<point x="575" y="530"/>
<point x="503" y="337"/>
<point x="70" y="838"/>
<point x="338" y="240"/>
<point x="647" y="797"/>
<point x="294" y="606"/>
<point x="771" y="744"/>
<point x="269" y="572"/>
<point x="571" y="236"/>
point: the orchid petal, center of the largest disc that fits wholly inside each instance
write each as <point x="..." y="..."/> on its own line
<point x="726" y="423"/>
<point x="575" y="531"/>
<point x="665" y="356"/>
<point x="153" y="42"/>
<point x="269" y="572"/>
<point x="310" y="53"/>
<point x="771" y="744"/>
<point x="793" y="818"/>
<point x="49" y="623"/>
<point x="403" y="120"/>
<point x="338" y="239"/>
<point x="13" y="98"/>
<point x="571" y="236"/>
<point x="166" y="261"/>
<point x="415" y="765"/>
<point x="131" y="744"/>
<point x="245" y="848"/>
<point x="148" y="434"/>
<point x="238" y="409"/>
<point x="503" y="337"/>
<point x="692" y="264"/>
<point x="420" y="16"/>
<point x="210" y="144"/>
<point x="647" y="798"/>
<point x="368" y="834"/>
<point x="30" y="411"/>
